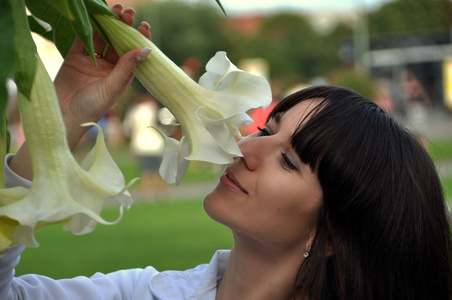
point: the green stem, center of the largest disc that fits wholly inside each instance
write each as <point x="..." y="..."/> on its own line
<point x="161" y="76"/>
<point x="3" y="146"/>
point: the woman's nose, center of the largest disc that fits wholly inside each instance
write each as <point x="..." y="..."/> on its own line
<point x="253" y="150"/>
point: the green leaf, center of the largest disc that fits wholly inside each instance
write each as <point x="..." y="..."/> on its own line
<point x="221" y="6"/>
<point x="4" y="141"/>
<point x="25" y="49"/>
<point x="62" y="6"/>
<point x="6" y="53"/>
<point x="68" y="18"/>
<point x="4" y="144"/>
<point x="37" y="28"/>
<point x="98" y="7"/>
<point x="81" y="25"/>
<point x="6" y="70"/>
<point x="63" y="33"/>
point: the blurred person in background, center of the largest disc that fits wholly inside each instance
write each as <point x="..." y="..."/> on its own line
<point x="418" y="106"/>
<point x="146" y="144"/>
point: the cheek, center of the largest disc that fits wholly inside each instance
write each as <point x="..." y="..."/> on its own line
<point x="282" y="210"/>
<point x="293" y="212"/>
<point x="290" y="204"/>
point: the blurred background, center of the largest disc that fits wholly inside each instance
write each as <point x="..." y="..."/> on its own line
<point x="398" y="53"/>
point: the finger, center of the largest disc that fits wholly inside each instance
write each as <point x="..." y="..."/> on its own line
<point x="117" y="9"/>
<point x="112" y="56"/>
<point x="128" y="16"/>
<point x="121" y="76"/>
<point x="144" y="29"/>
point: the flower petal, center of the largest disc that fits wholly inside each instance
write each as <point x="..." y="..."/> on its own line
<point x="240" y="91"/>
<point x="218" y="67"/>
<point x="99" y="162"/>
<point x="173" y="166"/>
<point x="8" y="225"/>
<point x="224" y="131"/>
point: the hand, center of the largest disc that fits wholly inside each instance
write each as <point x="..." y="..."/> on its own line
<point x="85" y="92"/>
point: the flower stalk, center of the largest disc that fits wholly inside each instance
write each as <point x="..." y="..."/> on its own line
<point x="210" y="113"/>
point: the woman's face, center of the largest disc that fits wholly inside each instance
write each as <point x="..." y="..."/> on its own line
<point x="269" y="195"/>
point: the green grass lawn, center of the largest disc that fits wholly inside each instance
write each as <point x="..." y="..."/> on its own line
<point x="447" y="188"/>
<point x="166" y="235"/>
<point x="441" y="150"/>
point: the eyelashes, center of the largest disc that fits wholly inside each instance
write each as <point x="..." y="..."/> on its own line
<point x="285" y="160"/>
<point x="263" y="131"/>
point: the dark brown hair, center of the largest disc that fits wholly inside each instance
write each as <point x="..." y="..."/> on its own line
<point x="383" y="210"/>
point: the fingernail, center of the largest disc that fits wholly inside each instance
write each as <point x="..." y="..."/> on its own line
<point x="118" y="5"/>
<point x="143" y="54"/>
<point x="146" y="24"/>
<point x="130" y="9"/>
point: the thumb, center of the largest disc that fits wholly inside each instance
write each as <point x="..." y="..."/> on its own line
<point x="122" y="74"/>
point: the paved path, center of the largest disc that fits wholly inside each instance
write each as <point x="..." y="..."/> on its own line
<point x="444" y="168"/>
<point x="440" y="125"/>
<point x="182" y="192"/>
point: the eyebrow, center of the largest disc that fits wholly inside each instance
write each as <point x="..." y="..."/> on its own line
<point x="277" y="117"/>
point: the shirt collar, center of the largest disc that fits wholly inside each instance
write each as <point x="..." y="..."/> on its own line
<point x="198" y="283"/>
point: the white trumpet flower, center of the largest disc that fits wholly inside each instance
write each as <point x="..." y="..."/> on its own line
<point x="210" y="113"/>
<point x="62" y="190"/>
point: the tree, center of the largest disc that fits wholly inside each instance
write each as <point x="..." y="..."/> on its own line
<point x="291" y="46"/>
<point x="411" y="15"/>
<point x="180" y="32"/>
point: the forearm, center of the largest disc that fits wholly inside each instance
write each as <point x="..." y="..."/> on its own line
<point x="8" y="261"/>
<point x="12" y="177"/>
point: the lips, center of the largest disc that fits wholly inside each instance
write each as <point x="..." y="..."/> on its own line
<point x="230" y="182"/>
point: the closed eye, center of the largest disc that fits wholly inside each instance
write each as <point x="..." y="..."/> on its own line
<point x="287" y="162"/>
<point x="263" y="131"/>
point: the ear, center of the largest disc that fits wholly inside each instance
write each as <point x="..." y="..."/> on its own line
<point x="310" y="241"/>
<point x="329" y="250"/>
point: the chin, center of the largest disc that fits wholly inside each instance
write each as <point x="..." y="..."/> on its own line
<point x="207" y="203"/>
<point x="212" y="206"/>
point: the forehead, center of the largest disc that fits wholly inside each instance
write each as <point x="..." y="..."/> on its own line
<point x="297" y="113"/>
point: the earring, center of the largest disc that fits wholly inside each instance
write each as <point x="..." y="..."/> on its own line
<point x="306" y="254"/>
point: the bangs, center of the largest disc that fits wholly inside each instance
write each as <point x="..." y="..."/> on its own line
<point x="340" y="127"/>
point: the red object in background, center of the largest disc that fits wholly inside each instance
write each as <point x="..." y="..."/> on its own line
<point x="259" y="116"/>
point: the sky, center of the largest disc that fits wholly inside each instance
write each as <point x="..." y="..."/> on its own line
<point x="244" y="6"/>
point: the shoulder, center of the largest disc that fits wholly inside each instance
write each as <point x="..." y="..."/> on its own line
<point x="196" y="283"/>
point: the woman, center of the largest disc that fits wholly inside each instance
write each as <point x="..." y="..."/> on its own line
<point x="331" y="200"/>
<point x="349" y="187"/>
